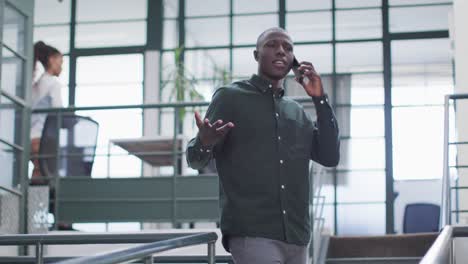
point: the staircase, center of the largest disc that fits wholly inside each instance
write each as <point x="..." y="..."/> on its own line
<point x="401" y="249"/>
<point x="407" y="248"/>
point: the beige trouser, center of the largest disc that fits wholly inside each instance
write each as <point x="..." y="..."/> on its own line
<point x="257" y="250"/>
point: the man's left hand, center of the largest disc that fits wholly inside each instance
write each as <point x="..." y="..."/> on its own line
<point x="312" y="86"/>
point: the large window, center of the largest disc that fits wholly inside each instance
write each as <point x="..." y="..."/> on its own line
<point x="112" y="80"/>
<point x="422" y="75"/>
<point x="98" y="26"/>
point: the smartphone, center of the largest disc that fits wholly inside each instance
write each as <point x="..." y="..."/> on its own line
<point x="299" y="74"/>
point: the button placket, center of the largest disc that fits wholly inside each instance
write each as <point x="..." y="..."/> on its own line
<point x="282" y="194"/>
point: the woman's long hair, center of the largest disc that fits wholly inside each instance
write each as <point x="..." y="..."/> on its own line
<point x="42" y="53"/>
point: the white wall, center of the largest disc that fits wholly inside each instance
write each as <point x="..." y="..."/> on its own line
<point x="460" y="38"/>
<point x="461" y="86"/>
<point x="151" y="96"/>
<point x="461" y="244"/>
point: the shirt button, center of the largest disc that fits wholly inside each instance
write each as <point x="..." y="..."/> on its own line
<point x="277" y="115"/>
<point x="322" y="102"/>
<point x="279" y="138"/>
<point x="282" y="187"/>
<point x="284" y="212"/>
<point x="281" y="161"/>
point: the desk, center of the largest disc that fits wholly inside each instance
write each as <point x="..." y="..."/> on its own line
<point x="156" y="150"/>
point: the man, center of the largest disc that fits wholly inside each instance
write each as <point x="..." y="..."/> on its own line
<point x="262" y="144"/>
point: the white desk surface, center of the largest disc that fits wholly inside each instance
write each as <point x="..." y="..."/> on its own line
<point x="144" y="148"/>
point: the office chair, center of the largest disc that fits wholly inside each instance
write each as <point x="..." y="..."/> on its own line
<point x="421" y="218"/>
<point x="70" y="150"/>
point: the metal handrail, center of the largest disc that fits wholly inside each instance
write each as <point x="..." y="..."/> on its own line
<point x="118" y="107"/>
<point x="88" y="238"/>
<point x="39" y="240"/>
<point x="12" y="191"/>
<point x="442" y="250"/>
<point x="141" y="106"/>
<point x="445" y="199"/>
<point x="458" y="96"/>
<point x="146" y="251"/>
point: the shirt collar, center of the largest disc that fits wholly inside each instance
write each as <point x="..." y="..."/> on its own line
<point x="263" y="85"/>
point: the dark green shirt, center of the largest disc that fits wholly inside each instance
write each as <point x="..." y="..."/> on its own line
<point x="263" y="162"/>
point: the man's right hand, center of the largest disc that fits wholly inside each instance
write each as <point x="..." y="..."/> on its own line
<point x="211" y="133"/>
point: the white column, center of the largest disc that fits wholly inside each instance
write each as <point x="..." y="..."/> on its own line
<point x="151" y="116"/>
<point x="151" y="96"/>
<point x="460" y="38"/>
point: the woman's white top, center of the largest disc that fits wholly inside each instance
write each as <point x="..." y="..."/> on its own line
<point x="46" y="93"/>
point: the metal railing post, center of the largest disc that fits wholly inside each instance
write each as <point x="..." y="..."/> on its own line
<point x="108" y="159"/>
<point x="175" y="167"/>
<point x="211" y="253"/>
<point x="445" y="202"/>
<point x="452" y="251"/>
<point x="39" y="253"/>
<point x="56" y="172"/>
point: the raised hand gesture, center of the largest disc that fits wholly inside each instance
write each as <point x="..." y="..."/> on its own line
<point x="211" y="133"/>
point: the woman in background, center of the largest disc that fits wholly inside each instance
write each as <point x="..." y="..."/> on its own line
<point x="46" y="93"/>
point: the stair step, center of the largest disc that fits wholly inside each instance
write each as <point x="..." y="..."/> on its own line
<point x="388" y="246"/>
<point x="407" y="260"/>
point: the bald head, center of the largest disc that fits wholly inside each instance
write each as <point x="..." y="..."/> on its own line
<point x="274" y="53"/>
<point x="261" y="38"/>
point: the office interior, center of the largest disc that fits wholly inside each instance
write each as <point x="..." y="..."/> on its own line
<point x="135" y="71"/>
